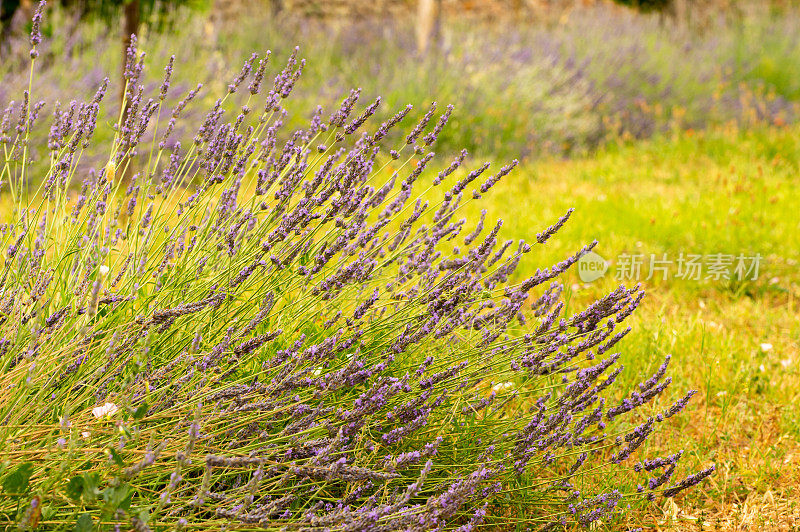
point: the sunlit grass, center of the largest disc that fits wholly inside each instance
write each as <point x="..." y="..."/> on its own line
<point x="722" y="191"/>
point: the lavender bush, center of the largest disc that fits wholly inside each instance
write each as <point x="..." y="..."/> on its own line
<point x="254" y="328"/>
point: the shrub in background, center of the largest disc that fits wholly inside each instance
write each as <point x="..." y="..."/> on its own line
<point x="520" y="91"/>
<point x="647" y="5"/>
<point x="269" y="329"/>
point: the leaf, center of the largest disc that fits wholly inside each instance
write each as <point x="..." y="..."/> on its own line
<point x="125" y="504"/>
<point x="115" y="496"/>
<point x="48" y="512"/>
<point x="115" y="457"/>
<point x="84" y="523"/>
<point x="90" y="483"/>
<point x="306" y="258"/>
<point x="141" y="411"/>
<point x="17" y="482"/>
<point x="74" y="488"/>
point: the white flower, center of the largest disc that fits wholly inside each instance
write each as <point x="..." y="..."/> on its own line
<point x="107" y="410"/>
<point x="766" y="347"/>
<point x="317" y="372"/>
<point x="502" y="386"/>
<point x="786" y="362"/>
<point x="103" y="270"/>
<point x="85" y="434"/>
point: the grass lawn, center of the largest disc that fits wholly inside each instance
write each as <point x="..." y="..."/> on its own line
<point x="723" y="191"/>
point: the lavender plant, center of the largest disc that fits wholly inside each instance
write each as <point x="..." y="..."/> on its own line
<point x="270" y="329"/>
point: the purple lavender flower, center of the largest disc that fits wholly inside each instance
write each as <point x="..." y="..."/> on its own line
<point x="36" y="30"/>
<point x="301" y="335"/>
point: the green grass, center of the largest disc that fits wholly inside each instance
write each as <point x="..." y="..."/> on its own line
<point x="725" y="191"/>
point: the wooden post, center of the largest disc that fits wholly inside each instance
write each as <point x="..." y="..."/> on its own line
<point x="681" y="10"/>
<point x="130" y="26"/>
<point x="429" y="15"/>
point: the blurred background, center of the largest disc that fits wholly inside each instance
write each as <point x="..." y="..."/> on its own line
<point x="527" y="77"/>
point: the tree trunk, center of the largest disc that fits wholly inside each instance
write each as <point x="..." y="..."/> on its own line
<point x="682" y="12"/>
<point x="429" y="21"/>
<point x="275" y="7"/>
<point x="130" y="26"/>
<point x="13" y="18"/>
